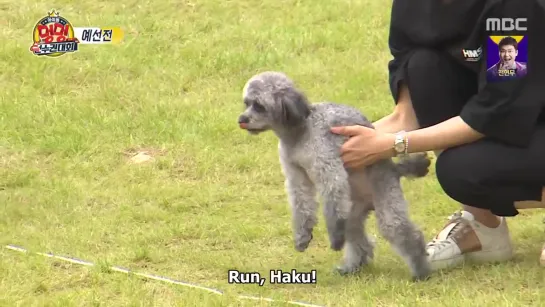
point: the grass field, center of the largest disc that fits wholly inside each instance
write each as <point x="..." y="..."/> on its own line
<point x="213" y="199"/>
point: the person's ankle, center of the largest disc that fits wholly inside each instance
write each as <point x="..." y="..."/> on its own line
<point x="492" y="223"/>
<point x="484" y="217"/>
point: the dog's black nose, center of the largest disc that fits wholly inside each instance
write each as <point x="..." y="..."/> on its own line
<point x="243" y="119"/>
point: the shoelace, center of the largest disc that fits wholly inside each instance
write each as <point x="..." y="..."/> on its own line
<point x="440" y="243"/>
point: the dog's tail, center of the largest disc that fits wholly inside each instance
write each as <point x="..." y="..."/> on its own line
<point x="414" y="165"/>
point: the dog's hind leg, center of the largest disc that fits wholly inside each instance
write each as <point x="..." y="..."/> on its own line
<point x="393" y="219"/>
<point x="332" y="182"/>
<point x="358" y="250"/>
<point x="301" y="196"/>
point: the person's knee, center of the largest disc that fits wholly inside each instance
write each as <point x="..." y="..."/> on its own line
<point x="423" y="62"/>
<point x="424" y="66"/>
<point x="458" y="175"/>
<point x="426" y="83"/>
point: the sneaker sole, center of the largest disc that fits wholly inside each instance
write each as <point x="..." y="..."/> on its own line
<point x="446" y="263"/>
<point x="498" y="255"/>
<point x="501" y="255"/>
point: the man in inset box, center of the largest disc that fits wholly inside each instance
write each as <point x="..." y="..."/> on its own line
<point x="507" y="66"/>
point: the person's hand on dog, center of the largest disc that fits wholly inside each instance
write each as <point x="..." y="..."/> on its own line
<point x="365" y="145"/>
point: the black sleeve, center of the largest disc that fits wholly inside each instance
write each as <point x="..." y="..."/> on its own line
<point x="504" y="110"/>
<point x="509" y="111"/>
<point x="397" y="72"/>
<point x="400" y="48"/>
<point x="425" y="24"/>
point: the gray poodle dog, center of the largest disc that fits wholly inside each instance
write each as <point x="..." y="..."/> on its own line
<point x="311" y="162"/>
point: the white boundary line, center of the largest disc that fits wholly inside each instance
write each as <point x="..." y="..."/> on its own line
<point x="155" y="277"/>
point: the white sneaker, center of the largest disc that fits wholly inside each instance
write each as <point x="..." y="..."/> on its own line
<point x="463" y="238"/>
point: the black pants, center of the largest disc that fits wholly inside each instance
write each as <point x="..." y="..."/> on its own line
<point x="485" y="174"/>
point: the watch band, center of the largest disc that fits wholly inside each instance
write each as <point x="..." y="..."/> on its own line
<point x="401" y="143"/>
<point x="406" y="144"/>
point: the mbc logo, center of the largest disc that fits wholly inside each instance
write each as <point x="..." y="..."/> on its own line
<point x="506" y="24"/>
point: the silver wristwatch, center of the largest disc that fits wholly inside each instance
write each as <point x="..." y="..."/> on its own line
<point x="401" y="143"/>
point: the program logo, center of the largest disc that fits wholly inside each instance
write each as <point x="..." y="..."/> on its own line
<point x="53" y="36"/>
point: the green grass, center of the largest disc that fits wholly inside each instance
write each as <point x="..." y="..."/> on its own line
<point x="213" y="199"/>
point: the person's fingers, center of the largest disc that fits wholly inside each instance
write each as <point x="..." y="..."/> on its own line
<point x="352" y="164"/>
<point x="350" y="158"/>
<point x="347" y="157"/>
<point x="353" y="161"/>
<point x="348" y="145"/>
<point x="347" y="130"/>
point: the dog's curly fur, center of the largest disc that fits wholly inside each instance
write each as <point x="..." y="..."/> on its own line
<point x="309" y="155"/>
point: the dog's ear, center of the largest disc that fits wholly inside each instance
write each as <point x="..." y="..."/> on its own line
<point x="295" y="106"/>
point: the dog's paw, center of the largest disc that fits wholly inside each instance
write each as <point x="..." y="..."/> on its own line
<point x="302" y="241"/>
<point x="414" y="166"/>
<point x="337" y="235"/>
<point x="421" y="275"/>
<point x="421" y="270"/>
<point x="348" y="269"/>
<point x="354" y="264"/>
<point x="418" y="278"/>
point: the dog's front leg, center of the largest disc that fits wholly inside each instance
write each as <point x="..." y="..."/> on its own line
<point x="334" y="188"/>
<point x="301" y="195"/>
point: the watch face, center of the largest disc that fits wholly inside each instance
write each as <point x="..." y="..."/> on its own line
<point x="400" y="147"/>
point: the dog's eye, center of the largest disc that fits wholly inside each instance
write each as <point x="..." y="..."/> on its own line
<point x="258" y="107"/>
